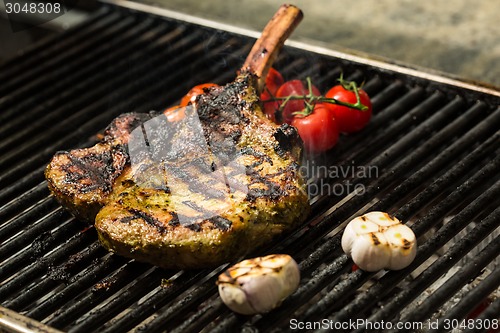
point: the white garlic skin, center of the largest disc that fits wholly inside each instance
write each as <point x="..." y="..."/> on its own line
<point x="259" y="285"/>
<point x="378" y="241"/>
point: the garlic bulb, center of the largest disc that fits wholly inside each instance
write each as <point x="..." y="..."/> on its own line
<point x="377" y="240"/>
<point x="259" y="285"/>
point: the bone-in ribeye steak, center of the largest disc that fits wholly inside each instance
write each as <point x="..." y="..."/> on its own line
<point x="195" y="192"/>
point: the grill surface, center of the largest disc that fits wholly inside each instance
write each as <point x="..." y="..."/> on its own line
<point x="432" y="150"/>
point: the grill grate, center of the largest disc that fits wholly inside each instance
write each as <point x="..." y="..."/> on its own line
<point x="433" y="149"/>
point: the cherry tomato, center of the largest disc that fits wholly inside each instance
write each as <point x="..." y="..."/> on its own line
<point x="269" y="108"/>
<point x="348" y="119"/>
<point x="190" y="97"/>
<point x="274" y="80"/>
<point x="297" y="88"/>
<point x="318" y="130"/>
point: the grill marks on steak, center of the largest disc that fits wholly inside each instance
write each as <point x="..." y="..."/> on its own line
<point x="82" y="179"/>
<point x="189" y="194"/>
<point x="91" y="171"/>
<point x="151" y="220"/>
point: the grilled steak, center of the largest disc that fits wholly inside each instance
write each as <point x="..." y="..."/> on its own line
<point x="198" y="191"/>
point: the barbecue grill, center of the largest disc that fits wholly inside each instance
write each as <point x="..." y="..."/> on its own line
<point x="430" y="156"/>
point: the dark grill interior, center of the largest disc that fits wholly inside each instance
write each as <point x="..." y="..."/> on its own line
<point x="434" y="147"/>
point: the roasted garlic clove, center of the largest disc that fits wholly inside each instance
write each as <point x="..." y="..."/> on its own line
<point x="377" y="240"/>
<point x="259" y="285"/>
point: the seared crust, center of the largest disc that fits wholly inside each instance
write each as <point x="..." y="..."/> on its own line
<point x="194" y="193"/>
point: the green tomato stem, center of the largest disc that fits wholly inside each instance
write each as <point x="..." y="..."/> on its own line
<point x="310" y="100"/>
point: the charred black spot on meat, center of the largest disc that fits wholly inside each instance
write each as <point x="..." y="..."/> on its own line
<point x="220" y="113"/>
<point x="271" y="190"/>
<point x="220" y="222"/>
<point x="224" y="105"/>
<point x="261" y="157"/>
<point x="287" y="137"/>
<point x="174" y="221"/>
<point x="151" y="220"/>
<point x="127" y="182"/>
<point x="196" y="227"/>
<point x="127" y="219"/>
<point x="91" y="171"/>
<point x="123" y="125"/>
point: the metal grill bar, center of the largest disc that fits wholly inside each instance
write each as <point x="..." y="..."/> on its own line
<point x="490" y="313"/>
<point x="470" y="301"/>
<point x="30" y="79"/>
<point x="157" y="300"/>
<point x="436" y="150"/>
<point x="27" y="199"/>
<point x="129" y="42"/>
<point x="101" y="267"/>
<point x="465" y="274"/>
<point x="39" y="267"/>
<point x="51" y="47"/>
<point x="17" y="242"/>
<point x="36" y="292"/>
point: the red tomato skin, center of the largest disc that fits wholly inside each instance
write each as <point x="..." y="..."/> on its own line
<point x="190" y="97"/>
<point x="318" y="130"/>
<point x="294" y="87"/>
<point x="274" y="80"/>
<point x="269" y="108"/>
<point x="349" y="120"/>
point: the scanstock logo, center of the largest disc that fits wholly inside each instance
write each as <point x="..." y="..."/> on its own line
<point x="25" y="14"/>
